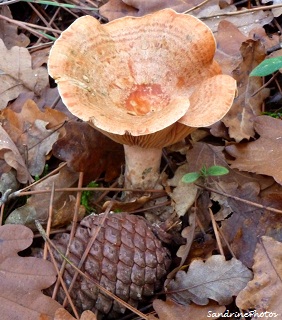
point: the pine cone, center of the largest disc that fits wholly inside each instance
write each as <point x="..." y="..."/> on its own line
<point x="126" y="258"/>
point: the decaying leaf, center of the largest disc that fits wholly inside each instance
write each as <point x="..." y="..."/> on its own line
<point x="23" y="278"/>
<point x="17" y="74"/>
<point x="184" y="194"/>
<point x="240" y="117"/>
<point x="264" y="155"/>
<point x="169" y="309"/>
<point x="34" y="132"/>
<point x="229" y="40"/>
<point x="248" y="223"/>
<point x="215" y="279"/>
<point x="263" y="293"/>
<point x="10" y="154"/>
<point x="9" y="31"/>
<point x="62" y="314"/>
<point x="87" y="150"/>
<point x="37" y="205"/>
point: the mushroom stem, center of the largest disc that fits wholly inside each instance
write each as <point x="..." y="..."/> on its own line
<point x="142" y="167"/>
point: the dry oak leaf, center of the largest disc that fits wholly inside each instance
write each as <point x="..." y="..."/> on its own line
<point x="17" y="75"/>
<point x="12" y="157"/>
<point x="215" y="279"/>
<point x="184" y="195"/>
<point x="9" y="31"/>
<point x="87" y="150"/>
<point x="169" y="309"/>
<point x="36" y="207"/>
<point x="248" y="223"/>
<point x="23" y="278"/>
<point x="239" y="119"/>
<point x="34" y="132"/>
<point x="263" y="156"/>
<point x="62" y="314"/>
<point x="264" y="292"/>
<point x="115" y="9"/>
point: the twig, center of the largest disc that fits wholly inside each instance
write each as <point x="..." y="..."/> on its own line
<point x="196" y="7"/>
<point x="48" y="227"/>
<point x="215" y="229"/>
<point x="251" y="203"/>
<point x="222" y="14"/>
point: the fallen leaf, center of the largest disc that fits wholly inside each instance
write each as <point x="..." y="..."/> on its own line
<point x="169" y="309"/>
<point x="17" y="74"/>
<point x="215" y="279"/>
<point x="240" y="117"/>
<point x="23" y="278"/>
<point x="229" y="40"/>
<point x="34" y="132"/>
<point x="115" y="9"/>
<point x="247" y="222"/>
<point x="10" y="154"/>
<point x="9" y="31"/>
<point x="262" y="156"/>
<point x="263" y="293"/>
<point x="184" y="195"/>
<point x="62" y="314"/>
<point x="87" y="150"/>
<point x="36" y="207"/>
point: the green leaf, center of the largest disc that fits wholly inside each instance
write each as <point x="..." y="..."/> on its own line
<point x="190" y="177"/>
<point x="217" y="171"/>
<point x="267" y="67"/>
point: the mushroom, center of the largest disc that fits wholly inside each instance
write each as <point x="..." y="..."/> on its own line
<point x="144" y="82"/>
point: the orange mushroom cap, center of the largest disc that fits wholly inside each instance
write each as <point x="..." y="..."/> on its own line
<point x="145" y="81"/>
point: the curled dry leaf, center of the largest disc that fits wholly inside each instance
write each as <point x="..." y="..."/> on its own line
<point x="215" y="279"/>
<point x="264" y="292"/>
<point x="253" y="157"/>
<point x="184" y="195"/>
<point x="37" y="205"/>
<point x="23" y="278"/>
<point x="168" y="310"/>
<point x="246" y="105"/>
<point x="12" y="157"/>
<point x="17" y="74"/>
<point x="34" y="132"/>
<point x="87" y="150"/>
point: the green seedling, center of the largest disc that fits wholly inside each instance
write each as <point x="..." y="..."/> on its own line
<point x="85" y="197"/>
<point x="267" y="67"/>
<point x="204" y="173"/>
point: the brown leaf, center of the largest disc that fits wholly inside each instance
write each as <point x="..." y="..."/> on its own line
<point x="17" y="74"/>
<point x="229" y="40"/>
<point x="184" y="195"/>
<point x="169" y="310"/>
<point x="37" y="205"/>
<point x="248" y="223"/>
<point x="34" y="132"/>
<point x="239" y="119"/>
<point x="215" y="279"/>
<point x="23" y="278"/>
<point x="264" y="292"/>
<point x="114" y="9"/>
<point x="10" y="154"/>
<point x="263" y="155"/>
<point x="9" y="31"/>
<point x="87" y="150"/>
<point x="204" y="154"/>
<point x="62" y="314"/>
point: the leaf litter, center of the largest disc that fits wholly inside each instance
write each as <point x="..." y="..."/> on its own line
<point x="36" y="133"/>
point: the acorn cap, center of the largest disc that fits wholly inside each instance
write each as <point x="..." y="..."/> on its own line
<point x="138" y="80"/>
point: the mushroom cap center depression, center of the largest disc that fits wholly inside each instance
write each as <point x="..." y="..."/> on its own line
<point x="145" y="99"/>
